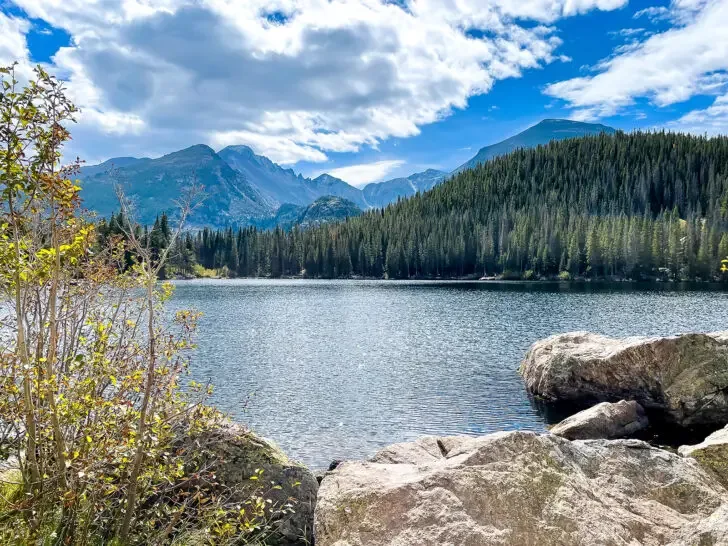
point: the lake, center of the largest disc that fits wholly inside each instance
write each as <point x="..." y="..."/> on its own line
<point x="338" y="369"/>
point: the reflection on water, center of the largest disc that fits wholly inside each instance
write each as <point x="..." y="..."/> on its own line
<point x="338" y="369"/>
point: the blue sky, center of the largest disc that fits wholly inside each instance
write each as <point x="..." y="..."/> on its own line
<point x="369" y="89"/>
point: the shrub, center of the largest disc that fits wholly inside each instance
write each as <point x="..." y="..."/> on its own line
<point x="91" y="403"/>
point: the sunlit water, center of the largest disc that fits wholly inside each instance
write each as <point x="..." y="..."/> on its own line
<point x="338" y="369"/>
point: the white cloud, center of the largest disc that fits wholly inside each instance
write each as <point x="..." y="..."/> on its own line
<point x="628" y="32"/>
<point x="653" y="13"/>
<point x="12" y="40"/>
<point x="712" y="120"/>
<point x="294" y="79"/>
<point x="361" y="175"/>
<point x="667" y="68"/>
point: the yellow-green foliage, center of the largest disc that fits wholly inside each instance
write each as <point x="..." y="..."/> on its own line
<point x="715" y="459"/>
<point x="204" y="273"/>
<point x="11" y="488"/>
<point x="91" y="371"/>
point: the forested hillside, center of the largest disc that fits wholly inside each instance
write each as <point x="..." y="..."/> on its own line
<point x="625" y="205"/>
<point x="541" y="133"/>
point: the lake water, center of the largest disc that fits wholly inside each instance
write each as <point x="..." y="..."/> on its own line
<point x="338" y="369"/>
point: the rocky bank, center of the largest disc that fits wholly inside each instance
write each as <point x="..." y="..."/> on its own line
<point x="586" y="482"/>
<point x="521" y="488"/>
<point x="681" y="380"/>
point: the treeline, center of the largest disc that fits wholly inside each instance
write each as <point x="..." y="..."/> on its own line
<point x="156" y="237"/>
<point x="634" y="206"/>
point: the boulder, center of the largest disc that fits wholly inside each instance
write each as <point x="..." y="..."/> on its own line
<point x="711" y="531"/>
<point x="518" y="488"/>
<point x="712" y="454"/>
<point x="682" y="379"/>
<point x="606" y="420"/>
<point x="237" y="455"/>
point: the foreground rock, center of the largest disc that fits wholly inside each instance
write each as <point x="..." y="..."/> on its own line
<point x="604" y="421"/>
<point x="712" y="531"/>
<point x="712" y="454"/>
<point x="237" y="455"/>
<point x="519" y="488"/>
<point x="682" y="378"/>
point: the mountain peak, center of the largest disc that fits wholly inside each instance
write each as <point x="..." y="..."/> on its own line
<point x="567" y="123"/>
<point x="240" y="149"/>
<point x="542" y="133"/>
<point x="432" y="172"/>
<point x="327" y="178"/>
<point x="194" y="150"/>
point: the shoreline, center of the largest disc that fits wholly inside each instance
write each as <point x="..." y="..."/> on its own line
<point x="470" y="280"/>
<point x="498" y="279"/>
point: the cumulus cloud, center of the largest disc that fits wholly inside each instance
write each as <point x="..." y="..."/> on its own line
<point x="12" y="40"/>
<point x="363" y="174"/>
<point x="294" y="79"/>
<point x="712" y="120"/>
<point x="667" y="68"/>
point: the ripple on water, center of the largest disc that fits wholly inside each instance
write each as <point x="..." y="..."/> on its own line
<point x="338" y="369"/>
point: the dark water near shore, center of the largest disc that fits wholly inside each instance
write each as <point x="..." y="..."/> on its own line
<point x="338" y="369"/>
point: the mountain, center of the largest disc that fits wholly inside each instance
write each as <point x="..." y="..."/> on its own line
<point x="283" y="185"/>
<point x="279" y="185"/>
<point x="245" y="188"/>
<point x="382" y="193"/>
<point x="153" y="185"/>
<point x="330" y="185"/>
<point x="325" y="209"/>
<point x="541" y="133"/>
<point x="111" y="165"/>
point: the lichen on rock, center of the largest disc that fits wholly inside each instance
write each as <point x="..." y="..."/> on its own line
<point x="682" y="379"/>
<point x="515" y="488"/>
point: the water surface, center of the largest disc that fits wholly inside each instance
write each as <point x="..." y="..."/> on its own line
<point x="338" y="369"/>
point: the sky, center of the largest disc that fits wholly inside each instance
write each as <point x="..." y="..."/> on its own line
<point x="368" y="90"/>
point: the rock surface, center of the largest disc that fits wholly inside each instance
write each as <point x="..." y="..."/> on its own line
<point x="683" y="378"/>
<point x="712" y="531"/>
<point x="606" y="421"/>
<point x="712" y="454"/>
<point x="519" y="488"/>
<point x="238" y="454"/>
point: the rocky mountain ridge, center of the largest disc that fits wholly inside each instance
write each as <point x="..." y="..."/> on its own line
<point x="244" y="188"/>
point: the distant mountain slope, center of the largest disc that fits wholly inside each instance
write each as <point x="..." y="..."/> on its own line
<point x="330" y="185"/>
<point x="154" y="185"/>
<point x="325" y="209"/>
<point x="382" y="193"/>
<point x="283" y="185"/>
<point x="279" y="185"/>
<point x="110" y="165"/>
<point x="242" y="186"/>
<point x="541" y="133"/>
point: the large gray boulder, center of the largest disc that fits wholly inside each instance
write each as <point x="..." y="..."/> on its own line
<point x="711" y="531"/>
<point x="518" y="488"/>
<point x="712" y="454"/>
<point x="604" y="421"/>
<point x="245" y="464"/>
<point x="682" y="378"/>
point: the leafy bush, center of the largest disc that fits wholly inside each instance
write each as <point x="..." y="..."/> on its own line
<point x="91" y="404"/>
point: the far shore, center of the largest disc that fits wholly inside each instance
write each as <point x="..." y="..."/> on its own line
<point x="471" y="279"/>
